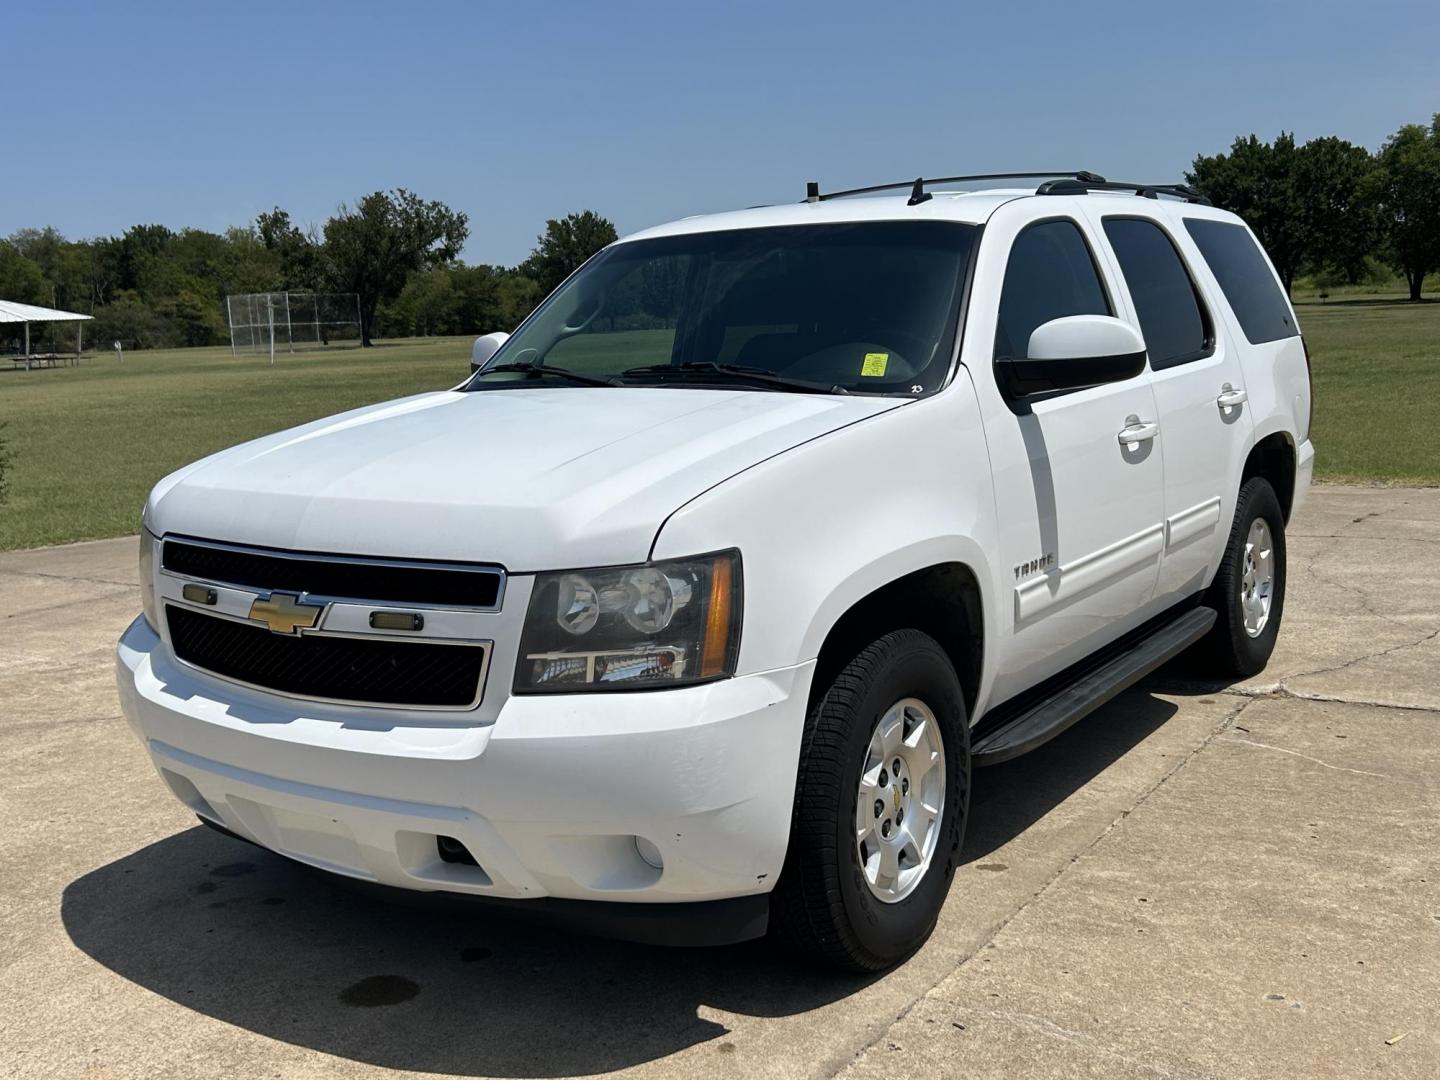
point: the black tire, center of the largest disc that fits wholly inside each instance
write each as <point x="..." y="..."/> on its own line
<point x="1229" y="649"/>
<point x="822" y="906"/>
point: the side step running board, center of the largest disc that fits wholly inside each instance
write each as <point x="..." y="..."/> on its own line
<point x="1040" y="721"/>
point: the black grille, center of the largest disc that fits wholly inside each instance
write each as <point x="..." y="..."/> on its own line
<point x="347" y="669"/>
<point x="454" y="584"/>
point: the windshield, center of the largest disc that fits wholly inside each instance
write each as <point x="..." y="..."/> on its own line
<point x="863" y="307"/>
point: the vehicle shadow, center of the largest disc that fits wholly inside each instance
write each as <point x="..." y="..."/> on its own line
<point x="290" y="953"/>
<point x="1007" y="799"/>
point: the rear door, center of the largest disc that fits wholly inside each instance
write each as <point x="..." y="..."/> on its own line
<point x="1078" y="509"/>
<point x="1199" y="385"/>
<point x="1262" y="321"/>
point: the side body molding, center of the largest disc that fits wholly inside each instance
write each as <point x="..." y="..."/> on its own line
<point x="1073" y="579"/>
<point x="1192" y="524"/>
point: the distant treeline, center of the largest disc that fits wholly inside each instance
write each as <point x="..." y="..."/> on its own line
<point x="1333" y="210"/>
<point x="1326" y="209"/>
<point x="154" y="287"/>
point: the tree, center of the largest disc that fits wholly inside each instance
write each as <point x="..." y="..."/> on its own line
<point x="1334" y="200"/>
<point x="299" y="253"/>
<point x="426" y="305"/>
<point x="21" y="279"/>
<point x="1407" y="189"/>
<point x="477" y="300"/>
<point x="372" y="249"/>
<point x="130" y="321"/>
<point x="45" y="248"/>
<point x="1257" y="180"/>
<point x="564" y="245"/>
<point x="193" y="317"/>
<point x="1312" y="206"/>
<point x="516" y="296"/>
<point x="105" y="253"/>
<point x="139" y="249"/>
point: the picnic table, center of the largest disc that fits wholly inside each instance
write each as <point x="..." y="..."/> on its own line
<point x="44" y="360"/>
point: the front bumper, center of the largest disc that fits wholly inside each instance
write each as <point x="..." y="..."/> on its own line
<point x="549" y="798"/>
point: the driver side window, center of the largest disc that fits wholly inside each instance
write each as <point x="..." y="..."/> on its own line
<point x="1050" y="274"/>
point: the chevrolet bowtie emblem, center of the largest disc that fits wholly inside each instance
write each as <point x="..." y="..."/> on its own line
<point x="284" y="613"/>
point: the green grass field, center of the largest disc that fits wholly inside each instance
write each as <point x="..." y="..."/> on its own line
<point x="88" y="442"/>
<point x="1376" y="369"/>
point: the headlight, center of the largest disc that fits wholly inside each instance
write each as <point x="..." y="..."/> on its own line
<point x="631" y="627"/>
<point x="149" y="554"/>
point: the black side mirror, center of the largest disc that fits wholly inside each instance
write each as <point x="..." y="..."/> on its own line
<point x="1074" y="352"/>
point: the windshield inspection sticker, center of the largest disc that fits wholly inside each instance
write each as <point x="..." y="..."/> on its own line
<point x="875" y="363"/>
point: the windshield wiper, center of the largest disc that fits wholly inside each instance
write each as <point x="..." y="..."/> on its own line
<point x="738" y="371"/>
<point x="559" y="372"/>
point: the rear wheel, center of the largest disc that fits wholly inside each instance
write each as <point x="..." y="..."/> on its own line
<point x="880" y="805"/>
<point x="1248" y="593"/>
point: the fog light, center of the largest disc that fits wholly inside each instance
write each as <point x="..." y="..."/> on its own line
<point x="453" y="851"/>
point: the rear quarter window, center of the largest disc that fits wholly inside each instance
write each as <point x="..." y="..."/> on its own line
<point x="1245" y="277"/>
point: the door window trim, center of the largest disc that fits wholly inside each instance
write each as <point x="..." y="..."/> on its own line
<point x="1018" y="404"/>
<point x="962" y="316"/>
<point x="1207" y="321"/>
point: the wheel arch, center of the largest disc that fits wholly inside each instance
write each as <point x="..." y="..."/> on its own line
<point x="942" y="599"/>
<point x="1273" y="459"/>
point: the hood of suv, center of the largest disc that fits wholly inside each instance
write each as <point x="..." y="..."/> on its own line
<point x="533" y="479"/>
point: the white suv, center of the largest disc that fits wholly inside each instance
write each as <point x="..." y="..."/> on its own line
<point x="691" y="610"/>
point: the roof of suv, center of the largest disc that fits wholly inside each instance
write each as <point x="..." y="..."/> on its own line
<point x="968" y="207"/>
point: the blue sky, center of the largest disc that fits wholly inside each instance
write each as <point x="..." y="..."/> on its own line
<point x="203" y="115"/>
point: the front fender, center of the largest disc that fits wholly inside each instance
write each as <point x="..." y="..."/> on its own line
<point x="825" y="524"/>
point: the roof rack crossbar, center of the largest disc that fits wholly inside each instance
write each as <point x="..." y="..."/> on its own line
<point x="1081" y="185"/>
<point x="918" y="185"/>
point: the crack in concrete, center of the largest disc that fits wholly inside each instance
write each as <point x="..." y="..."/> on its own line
<point x="66" y="577"/>
<point x="1226" y="722"/>
<point x="1332" y="669"/>
<point x="1365" y="602"/>
<point x="1279" y="693"/>
<point x="1304" y="757"/>
<point x="27" y="612"/>
<point x="1309" y="566"/>
<point x="1282" y="689"/>
<point x="1364" y="536"/>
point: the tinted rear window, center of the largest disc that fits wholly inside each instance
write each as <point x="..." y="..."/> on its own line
<point x="1170" y="316"/>
<point x="1246" y="278"/>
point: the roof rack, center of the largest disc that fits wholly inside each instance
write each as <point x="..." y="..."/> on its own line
<point x="1056" y="182"/>
<point x="1081" y="185"/>
<point x="918" y="194"/>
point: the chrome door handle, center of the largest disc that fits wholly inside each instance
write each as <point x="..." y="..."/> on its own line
<point x="1138" y="431"/>
<point x="1230" y="397"/>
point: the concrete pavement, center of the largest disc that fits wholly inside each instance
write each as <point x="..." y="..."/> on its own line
<point x="1196" y="881"/>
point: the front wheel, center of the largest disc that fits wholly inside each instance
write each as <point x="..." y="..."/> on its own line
<point x="1248" y="593"/>
<point x="880" y="804"/>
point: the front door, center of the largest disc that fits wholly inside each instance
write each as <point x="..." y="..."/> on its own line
<point x="1079" y="505"/>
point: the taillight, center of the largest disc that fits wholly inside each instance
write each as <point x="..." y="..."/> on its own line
<point x="1309" y="387"/>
